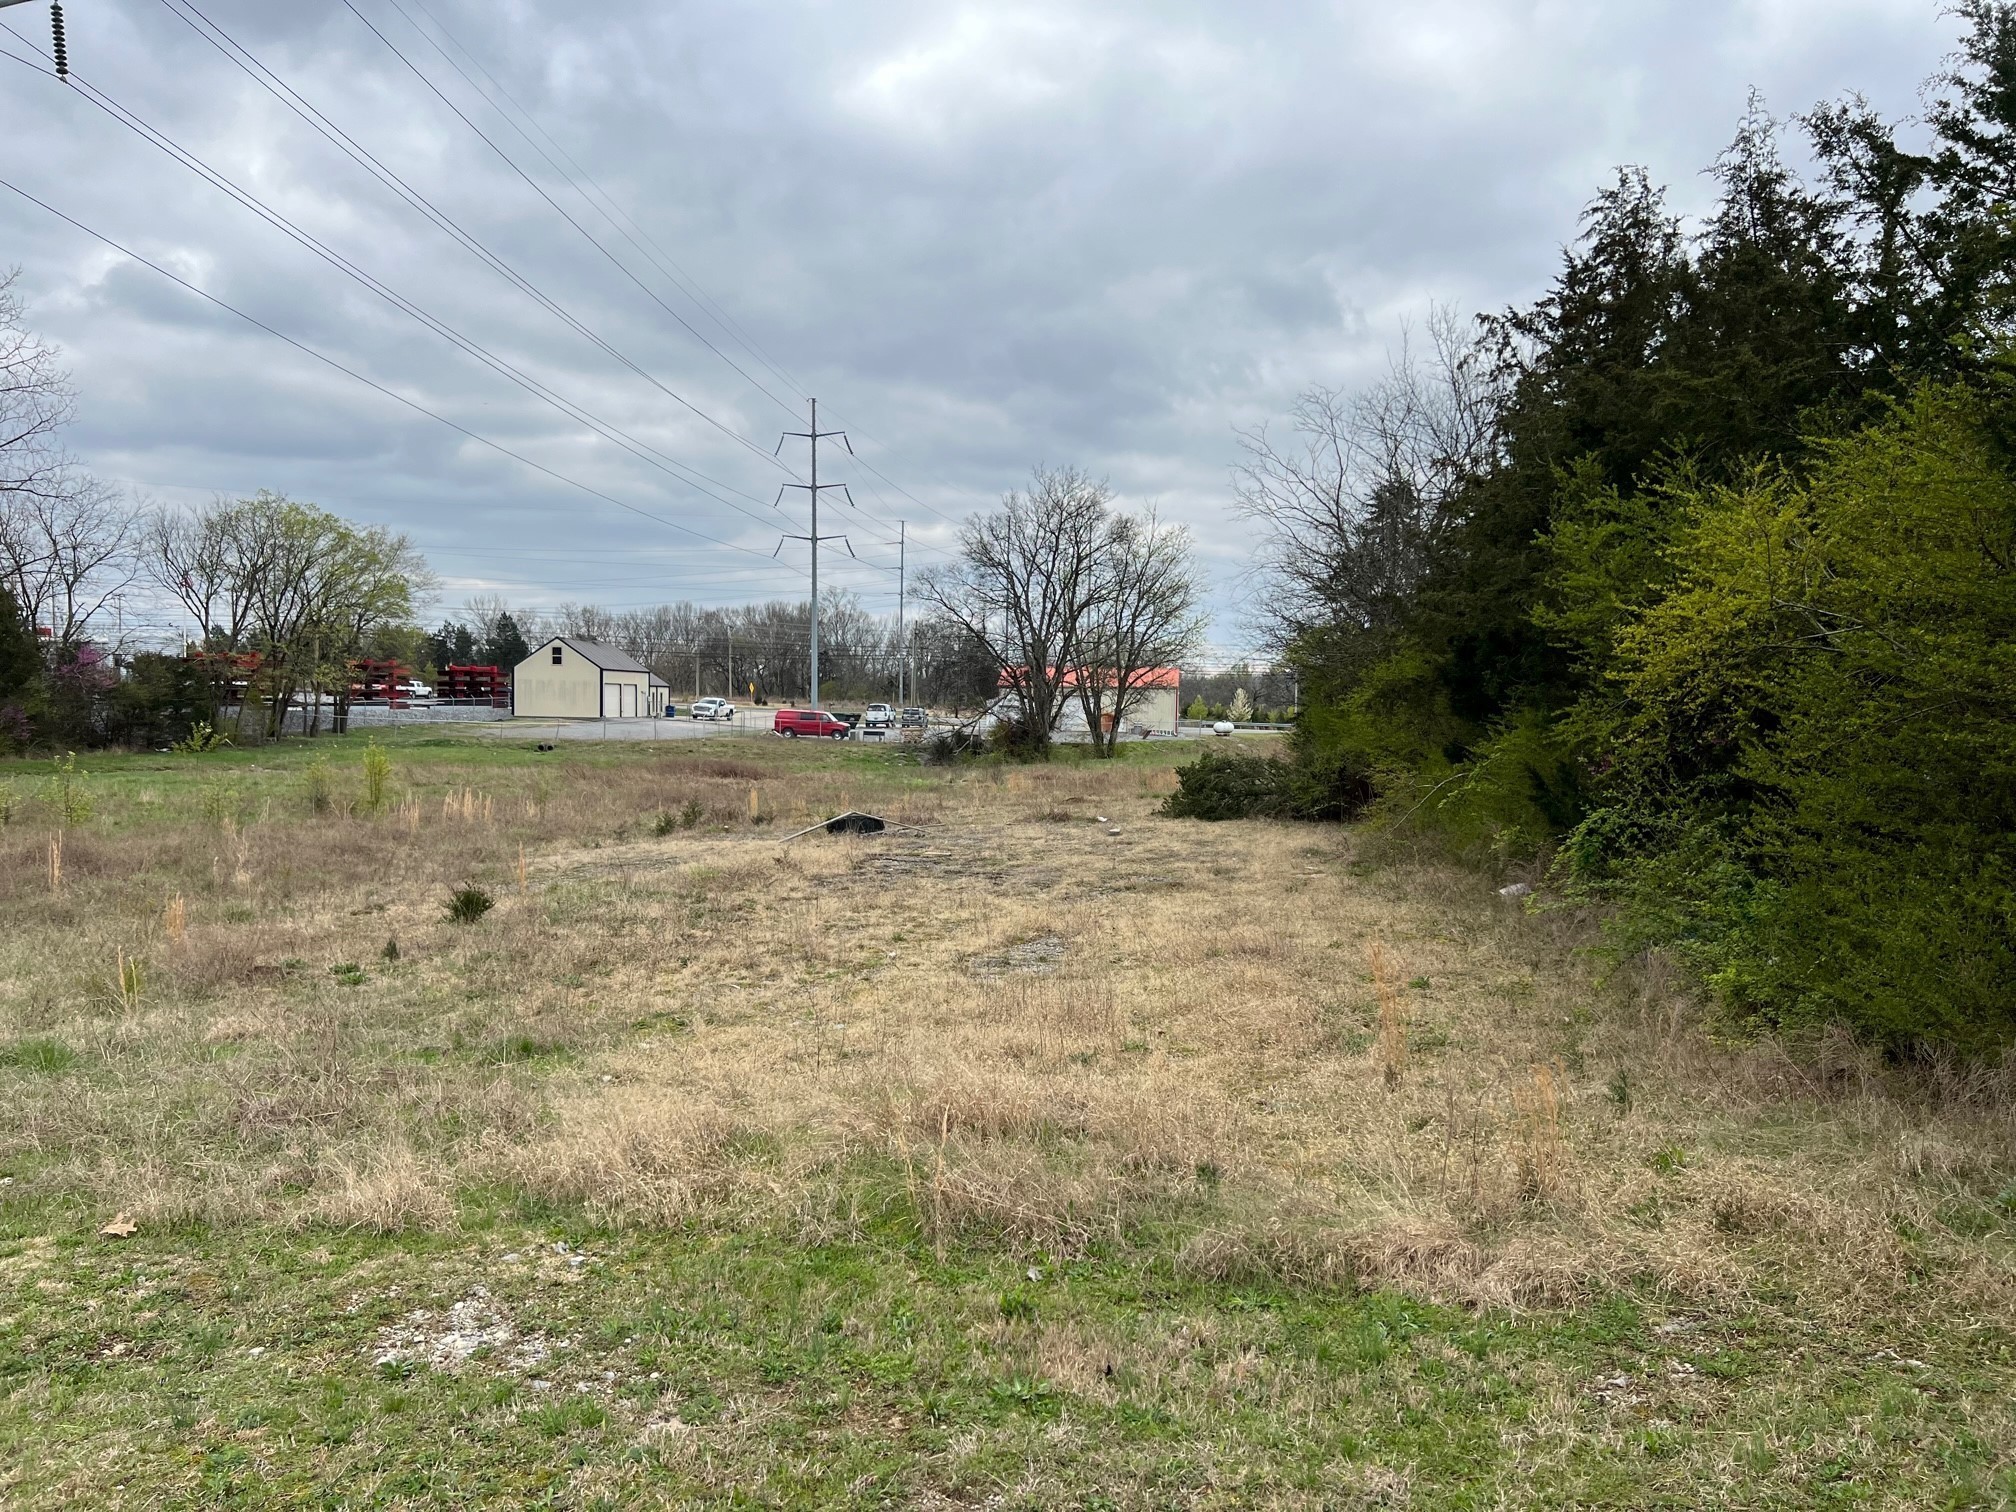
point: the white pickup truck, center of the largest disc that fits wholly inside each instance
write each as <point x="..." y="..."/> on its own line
<point x="878" y="716"/>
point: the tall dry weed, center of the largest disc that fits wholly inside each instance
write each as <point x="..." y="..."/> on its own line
<point x="1538" y="1149"/>
<point x="1392" y="1042"/>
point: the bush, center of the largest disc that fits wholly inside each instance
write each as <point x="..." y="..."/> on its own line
<point x="1241" y="785"/>
<point x="1019" y="739"/>
<point x="468" y="904"/>
<point x="1231" y="785"/>
<point x="950" y="745"/>
<point x="202" y="737"/>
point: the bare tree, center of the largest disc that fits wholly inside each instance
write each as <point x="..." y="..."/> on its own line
<point x="1026" y="579"/>
<point x="1352" y="510"/>
<point x="1142" y="619"/>
<point x="66" y="540"/>
<point x="66" y="552"/>
<point x="36" y="402"/>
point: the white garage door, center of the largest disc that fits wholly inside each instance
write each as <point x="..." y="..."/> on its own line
<point x="612" y="700"/>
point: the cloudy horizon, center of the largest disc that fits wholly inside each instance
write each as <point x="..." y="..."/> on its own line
<point x="985" y="237"/>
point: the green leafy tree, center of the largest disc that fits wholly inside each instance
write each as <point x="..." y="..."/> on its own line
<point x="301" y="588"/>
<point x="1816" y="738"/>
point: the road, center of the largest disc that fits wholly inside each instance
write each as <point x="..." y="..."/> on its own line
<point x="745" y="722"/>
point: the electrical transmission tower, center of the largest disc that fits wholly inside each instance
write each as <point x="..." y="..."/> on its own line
<point x="812" y="491"/>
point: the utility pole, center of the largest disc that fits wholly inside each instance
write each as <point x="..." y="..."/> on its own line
<point x="813" y="437"/>
<point x="902" y="645"/>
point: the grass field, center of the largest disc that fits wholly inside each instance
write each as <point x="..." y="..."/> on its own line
<point x="1043" y="1153"/>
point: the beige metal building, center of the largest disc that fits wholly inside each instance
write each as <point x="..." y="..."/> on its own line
<point x="567" y="677"/>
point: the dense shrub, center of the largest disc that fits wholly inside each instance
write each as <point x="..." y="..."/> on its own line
<point x="1246" y="785"/>
<point x="1018" y="739"/>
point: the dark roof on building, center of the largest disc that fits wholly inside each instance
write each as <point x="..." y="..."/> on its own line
<point x="608" y="658"/>
<point x="659" y="682"/>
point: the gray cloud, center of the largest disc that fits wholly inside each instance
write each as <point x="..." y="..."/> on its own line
<point x="984" y="235"/>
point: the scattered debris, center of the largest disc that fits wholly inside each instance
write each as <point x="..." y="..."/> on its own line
<point x="452" y="1339"/>
<point x="853" y="822"/>
<point x="1516" y="890"/>
<point x="1617" y="1391"/>
<point x="122" y="1227"/>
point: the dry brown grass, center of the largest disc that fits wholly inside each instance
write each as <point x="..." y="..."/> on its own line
<point x="1027" y="1029"/>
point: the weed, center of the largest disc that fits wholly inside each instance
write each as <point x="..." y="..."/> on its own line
<point x="10" y="802"/>
<point x="128" y="981"/>
<point x="219" y="802"/>
<point x="390" y="952"/>
<point x="1392" y="1022"/>
<point x="348" y="974"/>
<point x="1620" y="1090"/>
<point x="468" y="904"/>
<point x="377" y="775"/>
<point x="67" y="798"/>
<point x="690" y="814"/>
<point x="1670" y="1160"/>
<point x="48" y="1057"/>
<point x="175" y="919"/>
<point x="1538" y="1157"/>
<point x="316" y="784"/>
<point x="202" y="737"/>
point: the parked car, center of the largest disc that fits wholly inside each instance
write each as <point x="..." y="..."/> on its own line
<point x="814" y="722"/>
<point x="713" y="708"/>
<point x="878" y="716"/>
<point x="413" y="689"/>
<point x="916" y="719"/>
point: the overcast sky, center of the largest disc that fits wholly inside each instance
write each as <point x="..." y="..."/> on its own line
<point x="985" y="236"/>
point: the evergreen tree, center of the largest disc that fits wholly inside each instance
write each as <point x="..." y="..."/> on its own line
<point x="506" y="646"/>
<point x="23" y="674"/>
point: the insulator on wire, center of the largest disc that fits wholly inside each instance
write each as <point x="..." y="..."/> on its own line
<point x="56" y="39"/>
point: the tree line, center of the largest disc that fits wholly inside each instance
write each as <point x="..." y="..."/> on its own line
<point x="757" y="653"/>
<point x="280" y="595"/>
<point x="1058" y="598"/>
<point x="1696" y="578"/>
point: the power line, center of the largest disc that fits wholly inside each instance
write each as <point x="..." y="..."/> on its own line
<point x="606" y="205"/>
<point x="608" y="430"/>
<point x="253" y="68"/>
<point x="372" y="383"/>
<point x="665" y="264"/>
<point x="241" y="57"/>
<point x="813" y="538"/>
<point x="561" y="211"/>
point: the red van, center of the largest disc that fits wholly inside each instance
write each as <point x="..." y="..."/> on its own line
<point x="796" y="722"/>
